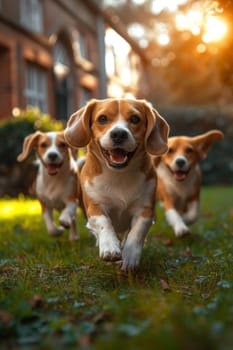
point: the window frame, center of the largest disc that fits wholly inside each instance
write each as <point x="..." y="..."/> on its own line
<point x="31" y="15"/>
<point x="36" y="90"/>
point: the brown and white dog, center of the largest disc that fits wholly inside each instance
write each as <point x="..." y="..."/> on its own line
<point x="117" y="178"/>
<point x="56" y="182"/>
<point x="179" y="178"/>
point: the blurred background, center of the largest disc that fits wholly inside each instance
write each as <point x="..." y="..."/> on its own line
<point x="55" y="55"/>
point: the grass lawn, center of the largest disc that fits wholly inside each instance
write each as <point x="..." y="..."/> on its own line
<point x="56" y="294"/>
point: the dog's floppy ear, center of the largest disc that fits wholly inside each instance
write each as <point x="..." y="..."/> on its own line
<point x="29" y="143"/>
<point x="157" y="132"/>
<point x="205" y="141"/>
<point x="78" y="131"/>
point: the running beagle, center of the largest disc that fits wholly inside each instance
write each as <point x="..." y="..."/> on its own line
<point x="56" y="183"/>
<point x="179" y="178"/>
<point x="117" y="178"/>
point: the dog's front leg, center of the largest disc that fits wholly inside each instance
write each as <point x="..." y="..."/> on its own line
<point x="109" y="245"/>
<point x="68" y="219"/>
<point x="132" y="249"/>
<point x="191" y="215"/>
<point x="175" y="220"/>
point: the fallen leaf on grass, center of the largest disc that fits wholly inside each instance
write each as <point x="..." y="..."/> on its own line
<point x="5" y="317"/>
<point x="21" y="257"/>
<point x="188" y="252"/>
<point x="165" y="285"/>
<point x="36" y="301"/>
<point x="84" y="340"/>
<point x="102" y="316"/>
<point x="168" y="243"/>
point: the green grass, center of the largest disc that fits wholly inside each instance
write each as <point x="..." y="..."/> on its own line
<point x="59" y="294"/>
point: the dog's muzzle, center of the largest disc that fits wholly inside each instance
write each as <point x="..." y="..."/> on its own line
<point x="53" y="163"/>
<point x="119" y="149"/>
<point x="117" y="157"/>
<point x="180" y="169"/>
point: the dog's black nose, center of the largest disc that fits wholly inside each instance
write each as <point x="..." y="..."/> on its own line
<point x="180" y="162"/>
<point x="119" y="135"/>
<point x="52" y="156"/>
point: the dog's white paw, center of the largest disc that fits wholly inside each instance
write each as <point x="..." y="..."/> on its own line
<point x="56" y="231"/>
<point x="65" y="220"/>
<point x="131" y="255"/>
<point x="109" y="250"/>
<point x="181" y="230"/>
<point x="177" y="223"/>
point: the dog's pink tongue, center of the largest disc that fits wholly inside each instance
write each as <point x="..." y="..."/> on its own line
<point x="180" y="175"/>
<point x="52" y="169"/>
<point x="118" y="156"/>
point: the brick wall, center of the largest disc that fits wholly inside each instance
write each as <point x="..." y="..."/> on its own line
<point x="62" y="20"/>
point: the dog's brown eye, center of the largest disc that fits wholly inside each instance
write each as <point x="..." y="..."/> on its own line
<point x="170" y="150"/>
<point x="43" y="145"/>
<point x="189" y="150"/>
<point x="135" y="119"/>
<point x="102" y="119"/>
<point x="62" y="145"/>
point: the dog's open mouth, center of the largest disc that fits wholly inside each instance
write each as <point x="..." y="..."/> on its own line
<point x="117" y="157"/>
<point x="180" y="175"/>
<point x="53" y="168"/>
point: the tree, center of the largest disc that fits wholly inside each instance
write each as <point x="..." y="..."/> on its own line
<point x="184" y="68"/>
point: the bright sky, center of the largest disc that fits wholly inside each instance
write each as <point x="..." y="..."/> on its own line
<point x="194" y="20"/>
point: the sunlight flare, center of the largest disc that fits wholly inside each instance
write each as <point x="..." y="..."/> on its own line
<point x="215" y="29"/>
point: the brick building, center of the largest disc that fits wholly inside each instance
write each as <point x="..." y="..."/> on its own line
<point x="52" y="55"/>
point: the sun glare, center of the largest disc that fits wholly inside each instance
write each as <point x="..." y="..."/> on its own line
<point x="213" y="28"/>
<point x="163" y="39"/>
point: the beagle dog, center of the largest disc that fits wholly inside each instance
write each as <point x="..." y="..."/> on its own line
<point x="117" y="178"/>
<point x="56" y="183"/>
<point x="179" y="178"/>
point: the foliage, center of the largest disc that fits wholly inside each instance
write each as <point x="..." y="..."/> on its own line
<point x="58" y="294"/>
<point x="186" y="70"/>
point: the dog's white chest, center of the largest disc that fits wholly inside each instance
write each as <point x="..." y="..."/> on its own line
<point x="52" y="192"/>
<point x="120" y="196"/>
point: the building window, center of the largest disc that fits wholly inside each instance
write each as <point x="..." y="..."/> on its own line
<point x="31" y="15"/>
<point x="36" y="87"/>
<point x="63" y="82"/>
<point x="83" y="47"/>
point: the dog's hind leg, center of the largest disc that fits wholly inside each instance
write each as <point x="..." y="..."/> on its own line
<point x="68" y="220"/>
<point x="53" y="230"/>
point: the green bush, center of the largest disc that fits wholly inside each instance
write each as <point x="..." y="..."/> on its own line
<point x="17" y="177"/>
